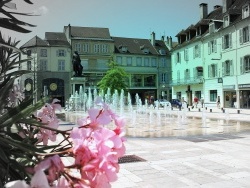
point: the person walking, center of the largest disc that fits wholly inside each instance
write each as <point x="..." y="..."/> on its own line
<point x="218" y="102"/>
<point x="195" y="102"/>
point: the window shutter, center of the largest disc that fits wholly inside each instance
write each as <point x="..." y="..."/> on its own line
<point x="209" y="71"/>
<point x="230" y="40"/>
<point x="241" y="36"/>
<point x="231" y="68"/>
<point x="57" y="53"/>
<point x="249" y="33"/>
<point x="241" y="65"/>
<point x="199" y="47"/>
<point x="215" y="70"/>
<point x="65" y="53"/>
<point x="195" y="72"/>
<point x="223" y="45"/>
<point x="215" y="45"/>
<point x="209" y="47"/>
<point x="223" y="68"/>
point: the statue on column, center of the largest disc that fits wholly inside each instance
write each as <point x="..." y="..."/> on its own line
<point x="77" y="67"/>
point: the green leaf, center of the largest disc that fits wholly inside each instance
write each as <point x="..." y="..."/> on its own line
<point x="3" y="156"/>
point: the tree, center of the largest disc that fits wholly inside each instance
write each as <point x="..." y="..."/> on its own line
<point x="115" y="79"/>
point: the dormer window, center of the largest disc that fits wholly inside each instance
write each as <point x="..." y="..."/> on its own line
<point x="226" y="21"/>
<point x="28" y="52"/>
<point x="123" y="49"/>
<point x="245" y="11"/>
<point x="162" y="52"/>
<point x="144" y="49"/>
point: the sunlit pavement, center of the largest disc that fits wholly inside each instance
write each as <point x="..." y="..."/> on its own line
<point x="210" y="160"/>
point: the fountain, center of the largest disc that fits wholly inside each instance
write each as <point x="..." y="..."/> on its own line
<point x="147" y="120"/>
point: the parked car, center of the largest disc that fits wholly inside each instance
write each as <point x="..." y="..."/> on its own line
<point x="176" y="103"/>
<point x="162" y="103"/>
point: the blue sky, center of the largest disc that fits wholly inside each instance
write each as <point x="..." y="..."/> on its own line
<point x="130" y="18"/>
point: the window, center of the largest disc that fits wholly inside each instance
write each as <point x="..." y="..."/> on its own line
<point x="163" y="62"/>
<point x="153" y="62"/>
<point x="212" y="47"/>
<point x="187" y="74"/>
<point x="212" y="71"/>
<point x="28" y="52"/>
<point x="196" y="51"/>
<point x="198" y="71"/>
<point x="146" y="62"/>
<point x="178" y="57"/>
<point x="129" y="61"/>
<point x="96" y="48"/>
<point x="136" y="80"/>
<point x="245" y="64"/>
<point x="244" y="34"/>
<point x="150" y="80"/>
<point x="163" y="78"/>
<point x="178" y="76"/>
<point x="138" y="61"/>
<point x="78" y="47"/>
<point x="43" y="65"/>
<point x="85" y="47"/>
<point x="61" y="65"/>
<point x="245" y="11"/>
<point x="61" y="53"/>
<point x="227" y="68"/>
<point x="43" y="53"/>
<point x="226" y="21"/>
<point x="227" y="41"/>
<point x="29" y="65"/>
<point x="213" y="95"/>
<point x="119" y="60"/>
<point x="104" y="48"/>
<point x="186" y="54"/>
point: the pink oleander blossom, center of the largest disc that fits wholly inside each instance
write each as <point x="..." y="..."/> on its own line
<point x="97" y="148"/>
<point x="39" y="180"/>
<point x="53" y="165"/>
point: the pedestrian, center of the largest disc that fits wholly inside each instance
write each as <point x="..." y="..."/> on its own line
<point x="195" y="102"/>
<point x="218" y="102"/>
<point x="202" y="102"/>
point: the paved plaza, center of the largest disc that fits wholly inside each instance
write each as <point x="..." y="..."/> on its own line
<point x="213" y="160"/>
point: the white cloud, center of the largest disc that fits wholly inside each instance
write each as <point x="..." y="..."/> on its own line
<point x="43" y="10"/>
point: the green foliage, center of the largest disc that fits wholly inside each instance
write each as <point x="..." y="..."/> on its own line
<point x="115" y="79"/>
<point x="16" y="151"/>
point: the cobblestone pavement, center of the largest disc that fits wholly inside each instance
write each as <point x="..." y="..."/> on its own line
<point x="213" y="160"/>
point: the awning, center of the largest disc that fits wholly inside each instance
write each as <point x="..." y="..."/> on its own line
<point x="199" y="68"/>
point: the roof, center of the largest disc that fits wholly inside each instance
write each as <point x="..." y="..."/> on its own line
<point x="134" y="45"/>
<point x="56" y="39"/>
<point x="90" y="32"/>
<point x="34" y="42"/>
<point x="217" y="15"/>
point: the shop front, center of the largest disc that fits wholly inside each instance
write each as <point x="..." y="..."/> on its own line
<point x="229" y="96"/>
<point x="244" y="95"/>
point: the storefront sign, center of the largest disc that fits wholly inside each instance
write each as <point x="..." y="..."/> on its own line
<point x="244" y="86"/>
<point x="229" y="87"/>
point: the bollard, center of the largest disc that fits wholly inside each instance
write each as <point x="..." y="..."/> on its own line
<point x="188" y="109"/>
<point x="238" y="111"/>
<point x="199" y="109"/>
<point x="211" y="110"/>
<point x="223" y="110"/>
<point x="206" y="108"/>
<point x="172" y="108"/>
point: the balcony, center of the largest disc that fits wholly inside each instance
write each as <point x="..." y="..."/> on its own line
<point x="192" y="80"/>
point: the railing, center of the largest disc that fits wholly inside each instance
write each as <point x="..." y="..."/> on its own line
<point x="192" y="80"/>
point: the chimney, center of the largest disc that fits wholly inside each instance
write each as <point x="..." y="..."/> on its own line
<point x="203" y="10"/>
<point x="162" y="38"/>
<point x="170" y="43"/>
<point x="216" y="6"/>
<point x="226" y="4"/>
<point x="153" y="38"/>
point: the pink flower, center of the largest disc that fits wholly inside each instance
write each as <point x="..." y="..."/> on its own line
<point x="54" y="166"/>
<point x="39" y="180"/>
